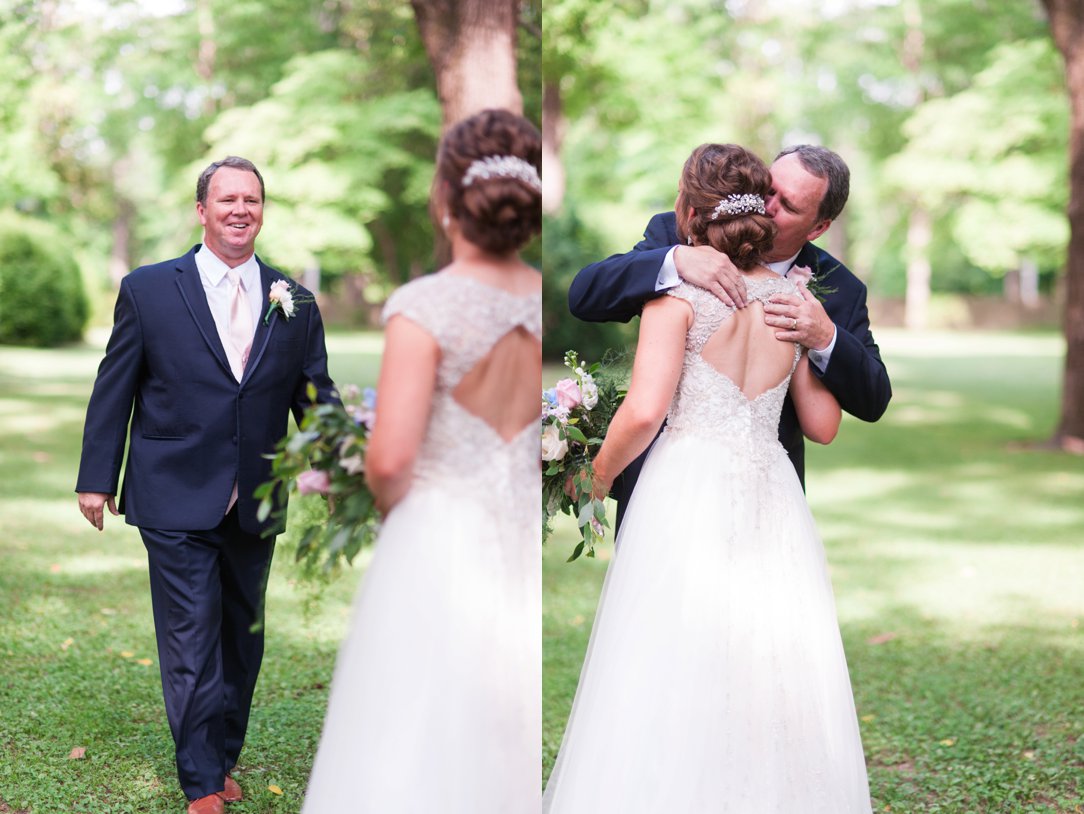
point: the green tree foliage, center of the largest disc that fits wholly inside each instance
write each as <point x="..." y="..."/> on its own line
<point x="345" y="158"/>
<point x="108" y="111"/>
<point x="568" y="245"/>
<point x="890" y="86"/>
<point x="42" y="301"/>
<point x="991" y="158"/>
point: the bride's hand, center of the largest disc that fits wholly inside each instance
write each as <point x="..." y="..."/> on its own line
<point x="600" y="486"/>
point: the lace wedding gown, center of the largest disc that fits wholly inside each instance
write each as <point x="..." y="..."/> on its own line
<point x="435" y="704"/>
<point x="715" y="680"/>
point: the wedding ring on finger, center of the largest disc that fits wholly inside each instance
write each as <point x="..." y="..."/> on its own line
<point x="793" y="324"/>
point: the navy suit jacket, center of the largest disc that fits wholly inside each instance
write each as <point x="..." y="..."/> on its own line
<point x="615" y="290"/>
<point x="194" y="428"/>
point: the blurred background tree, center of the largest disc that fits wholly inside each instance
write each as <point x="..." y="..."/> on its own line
<point x="952" y="114"/>
<point x="109" y="109"/>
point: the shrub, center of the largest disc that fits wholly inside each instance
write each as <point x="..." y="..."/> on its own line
<point x="567" y="246"/>
<point x="42" y="301"/>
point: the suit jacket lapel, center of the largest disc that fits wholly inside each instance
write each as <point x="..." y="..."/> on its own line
<point x="264" y="328"/>
<point x="806" y="257"/>
<point x="191" y="288"/>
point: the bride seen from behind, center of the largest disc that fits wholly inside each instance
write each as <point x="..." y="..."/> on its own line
<point x="435" y="700"/>
<point x="715" y="678"/>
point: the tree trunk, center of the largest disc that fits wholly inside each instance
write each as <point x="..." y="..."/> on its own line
<point x="1029" y="283"/>
<point x="919" y="227"/>
<point x="553" y="126"/>
<point x="919" y="230"/>
<point x="1067" y="27"/>
<point x="472" y="47"/>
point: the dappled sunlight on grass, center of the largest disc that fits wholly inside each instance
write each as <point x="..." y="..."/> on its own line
<point x="968" y="591"/>
<point x="354" y="358"/>
<point x="896" y="343"/>
<point x="56" y="366"/>
<point x="850" y="486"/>
<point x="97" y="562"/>
<point x="26" y="417"/>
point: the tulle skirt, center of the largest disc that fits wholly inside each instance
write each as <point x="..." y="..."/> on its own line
<point x="435" y="704"/>
<point x="715" y="680"/>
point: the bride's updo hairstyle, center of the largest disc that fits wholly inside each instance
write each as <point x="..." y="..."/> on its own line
<point x="488" y="166"/>
<point x="712" y="174"/>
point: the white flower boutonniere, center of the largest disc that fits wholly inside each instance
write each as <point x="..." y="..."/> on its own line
<point x="281" y="296"/>
<point x="813" y="279"/>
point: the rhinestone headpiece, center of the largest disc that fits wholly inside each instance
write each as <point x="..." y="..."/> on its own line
<point x="502" y="166"/>
<point x="739" y="205"/>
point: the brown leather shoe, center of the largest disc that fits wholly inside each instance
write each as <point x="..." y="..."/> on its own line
<point x="211" y="804"/>
<point x="232" y="792"/>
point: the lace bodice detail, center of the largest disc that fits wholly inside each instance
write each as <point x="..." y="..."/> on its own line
<point x="461" y="451"/>
<point x="709" y="403"/>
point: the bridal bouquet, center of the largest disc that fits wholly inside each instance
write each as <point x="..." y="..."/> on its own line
<point x="327" y="456"/>
<point x="576" y="413"/>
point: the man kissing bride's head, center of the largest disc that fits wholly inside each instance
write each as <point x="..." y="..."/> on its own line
<point x="720" y="203"/>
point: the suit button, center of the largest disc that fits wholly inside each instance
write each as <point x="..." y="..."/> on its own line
<point x="235" y="439"/>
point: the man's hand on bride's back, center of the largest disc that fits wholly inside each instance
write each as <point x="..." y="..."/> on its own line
<point x="705" y="267"/>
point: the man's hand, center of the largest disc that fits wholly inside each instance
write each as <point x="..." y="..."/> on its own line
<point x="92" y="505"/>
<point x="710" y="269"/>
<point x="801" y="318"/>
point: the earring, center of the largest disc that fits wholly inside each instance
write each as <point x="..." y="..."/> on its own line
<point x="690" y="239"/>
<point x="445" y="221"/>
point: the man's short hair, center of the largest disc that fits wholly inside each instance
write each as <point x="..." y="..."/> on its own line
<point x="232" y="161"/>
<point x="823" y="163"/>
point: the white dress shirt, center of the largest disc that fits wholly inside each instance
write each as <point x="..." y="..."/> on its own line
<point x="669" y="277"/>
<point x="216" y="285"/>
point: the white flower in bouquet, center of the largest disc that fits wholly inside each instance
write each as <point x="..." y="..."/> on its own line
<point x="351" y="464"/>
<point x="589" y="390"/>
<point x="554" y="447"/>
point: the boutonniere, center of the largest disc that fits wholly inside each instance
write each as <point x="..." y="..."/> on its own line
<point x="813" y="280"/>
<point x="281" y="297"/>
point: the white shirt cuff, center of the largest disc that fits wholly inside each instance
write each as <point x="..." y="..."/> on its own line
<point x="668" y="274"/>
<point x="820" y="357"/>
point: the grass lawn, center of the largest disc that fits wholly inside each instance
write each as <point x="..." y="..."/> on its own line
<point x="79" y="666"/>
<point x="957" y="557"/>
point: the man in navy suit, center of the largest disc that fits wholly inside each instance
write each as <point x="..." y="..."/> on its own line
<point x="208" y="368"/>
<point x="810" y="186"/>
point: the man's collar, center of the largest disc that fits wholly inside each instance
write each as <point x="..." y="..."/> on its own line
<point x="213" y="268"/>
<point x="781" y="267"/>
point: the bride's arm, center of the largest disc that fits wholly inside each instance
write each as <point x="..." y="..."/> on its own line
<point x="818" y="411"/>
<point x="655" y="373"/>
<point x="408" y="375"/>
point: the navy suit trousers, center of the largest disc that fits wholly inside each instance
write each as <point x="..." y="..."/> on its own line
<point x="207" y="592"/>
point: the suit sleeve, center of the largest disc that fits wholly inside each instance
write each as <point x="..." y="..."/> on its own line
<point x="111" y="400"/>
<point x="615" y="289"/>
<point x="315" y="368"/>
<point x="856" y="376"/>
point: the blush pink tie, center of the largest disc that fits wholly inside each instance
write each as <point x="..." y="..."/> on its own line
<point x="240" y="339"/>
<point x="240" y="330"/>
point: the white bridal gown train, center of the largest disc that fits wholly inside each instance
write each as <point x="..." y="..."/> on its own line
<point x="435" y="704"/>
<point x="715" y="680"/>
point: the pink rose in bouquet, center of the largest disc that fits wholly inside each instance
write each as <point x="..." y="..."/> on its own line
<point x="313" y="482"/>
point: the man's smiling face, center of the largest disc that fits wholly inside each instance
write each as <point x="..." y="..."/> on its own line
<point x="232" y="214"/>
<point x="793" y="202"/>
